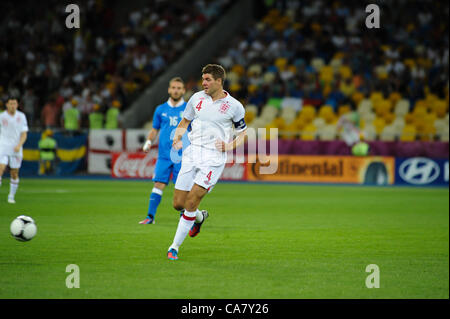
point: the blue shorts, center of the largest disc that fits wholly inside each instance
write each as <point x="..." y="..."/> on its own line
<point x="163" y="169"/>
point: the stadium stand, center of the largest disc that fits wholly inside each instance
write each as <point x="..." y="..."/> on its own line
<point x="105" y="62"/>
<point x="303" y="65"/>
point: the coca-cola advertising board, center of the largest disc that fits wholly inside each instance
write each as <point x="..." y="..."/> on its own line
<point x="133" y="165"/>
<point x="142" y="165"/>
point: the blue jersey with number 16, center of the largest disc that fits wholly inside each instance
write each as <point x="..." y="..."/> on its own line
<point x="166" y="119"/>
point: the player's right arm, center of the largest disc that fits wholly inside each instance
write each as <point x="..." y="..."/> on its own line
<point x="188" y="116"/>
<point x="153" y="132"/>
<point x="179" y="132"/>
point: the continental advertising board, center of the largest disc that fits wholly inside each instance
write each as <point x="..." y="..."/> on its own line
<point x="371" y="170"/>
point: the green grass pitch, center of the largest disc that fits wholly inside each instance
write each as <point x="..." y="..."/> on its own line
<point x="261" y="241"/>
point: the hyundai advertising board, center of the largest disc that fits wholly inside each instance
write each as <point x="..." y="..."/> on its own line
<point x="421" y="171"/>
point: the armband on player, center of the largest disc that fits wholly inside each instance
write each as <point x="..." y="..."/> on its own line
<point x="147" y="146"/>
<point x="240" y="125"/>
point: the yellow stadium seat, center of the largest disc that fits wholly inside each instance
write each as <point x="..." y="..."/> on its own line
<point x="401" y="107"/>
<point x="308" y="112"/>
<point x="343" y="109"/>
<point x="428" y="133"/>
<point x="375" y="96"/>
<point x="440" y="108"/>
<point x="309" y="133"/>
<point x="409" y="118"/>
<point x="238" y="69"/>
<point x="388" y="133"/>
<point x="280" y="63"/>
<point x="394" y="97"/>
<point x="382" y="107"/>
<point x="357" y="97"/>
<point x="408" y="134"/>
<point x="345" y="71"/>
<point x="379" y="124"/>
<point x="389" y="117"/>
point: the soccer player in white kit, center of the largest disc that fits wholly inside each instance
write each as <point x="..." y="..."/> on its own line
<point x="212" y="114"/>
<point x="13" y="134"/>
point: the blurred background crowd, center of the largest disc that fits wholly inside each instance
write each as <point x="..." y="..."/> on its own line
<point x="304" y="67"/>
<point x="103" y="65"/>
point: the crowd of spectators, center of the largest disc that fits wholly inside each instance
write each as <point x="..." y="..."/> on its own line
<point x="321" y="55"/>
<point x="275" y="57"/>
<point x="104" y="64"/>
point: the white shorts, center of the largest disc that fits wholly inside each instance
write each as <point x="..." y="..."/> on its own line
<point x="12" y="161"/>
<point x="204" y="176"/>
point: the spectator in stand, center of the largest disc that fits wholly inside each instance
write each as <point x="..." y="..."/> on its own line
<point x="50" y="114"/>
<point x="96" y="118"/>
<point x="112" y="116"/>
<point x="71" y="118"/>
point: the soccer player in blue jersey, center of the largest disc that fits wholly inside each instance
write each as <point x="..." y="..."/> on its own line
<point x="166" y="118"/>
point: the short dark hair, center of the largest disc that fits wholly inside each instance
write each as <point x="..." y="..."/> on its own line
<point x="176" y="79"/>
<point x="11" y="97"/>
<point x="217" y="71"/>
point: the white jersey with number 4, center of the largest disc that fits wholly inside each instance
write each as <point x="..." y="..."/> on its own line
<point x="212" y="121"/>
<point x="11" y="126"/>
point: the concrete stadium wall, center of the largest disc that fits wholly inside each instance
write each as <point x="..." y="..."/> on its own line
<point x="190" y="63"/>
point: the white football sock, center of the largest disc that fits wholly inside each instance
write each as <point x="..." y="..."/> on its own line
<point x="184" y="225"/>
<point x="0" y="181"/>
<point x="13" y="186"/>
<point x="199" y="216"/>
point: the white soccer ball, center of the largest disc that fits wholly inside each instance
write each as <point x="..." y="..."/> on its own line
<point x="23" y="228"/>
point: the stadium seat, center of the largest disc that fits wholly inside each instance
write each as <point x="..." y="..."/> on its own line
<point x="308" y="113"/>
<point x="389" y="117"/>
<point x="382" y="107"/>
<point x="408" y="133"/>
<point x="394" y="97"/>
<point x="364" y="106"/>
<point x="309" y="133"/>
<point x="317" y="64"/>
<point x="428" y="132"/>
<point x="295" y="103"/>
<point x="369" y="132"/>
<point x="344" y="109"/>
<point x="357" y="97"/>
<point x="327" y="133"/>
<point x="444" y="135"/>
<point x="440" y="108"/>
<point x="336" y="63"/>
<point x="398" y="123"/>
<point x="402" y="107"/>
<point x="269" y="77"/>
<point x="319" y="123"/>
<point x="288" y="114"/>
<point x="368" y="118"/>
<point x="345" y="71"/>
<point x="440" y="125"/>
<point x="232" y="77"/>
<point x="275" y="102"/>
<point x="388" y="133"/>
<point x="379" y="124"/>
<point x="326" y="112"/>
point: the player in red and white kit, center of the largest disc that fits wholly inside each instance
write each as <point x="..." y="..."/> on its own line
<point x="13" y="134"/>
<point x="212" y="114"/>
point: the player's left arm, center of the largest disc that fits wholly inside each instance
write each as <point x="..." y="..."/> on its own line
<point x="241" y="129"/>
<point x="240" y="138"/>
<point x="23" y="138"/>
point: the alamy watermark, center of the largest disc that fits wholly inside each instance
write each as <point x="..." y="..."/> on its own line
<point x="373" y="280"/>
<point x="73" y="280"/>
<point x="373" y="19"/>
<point x="261" y="148"/>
